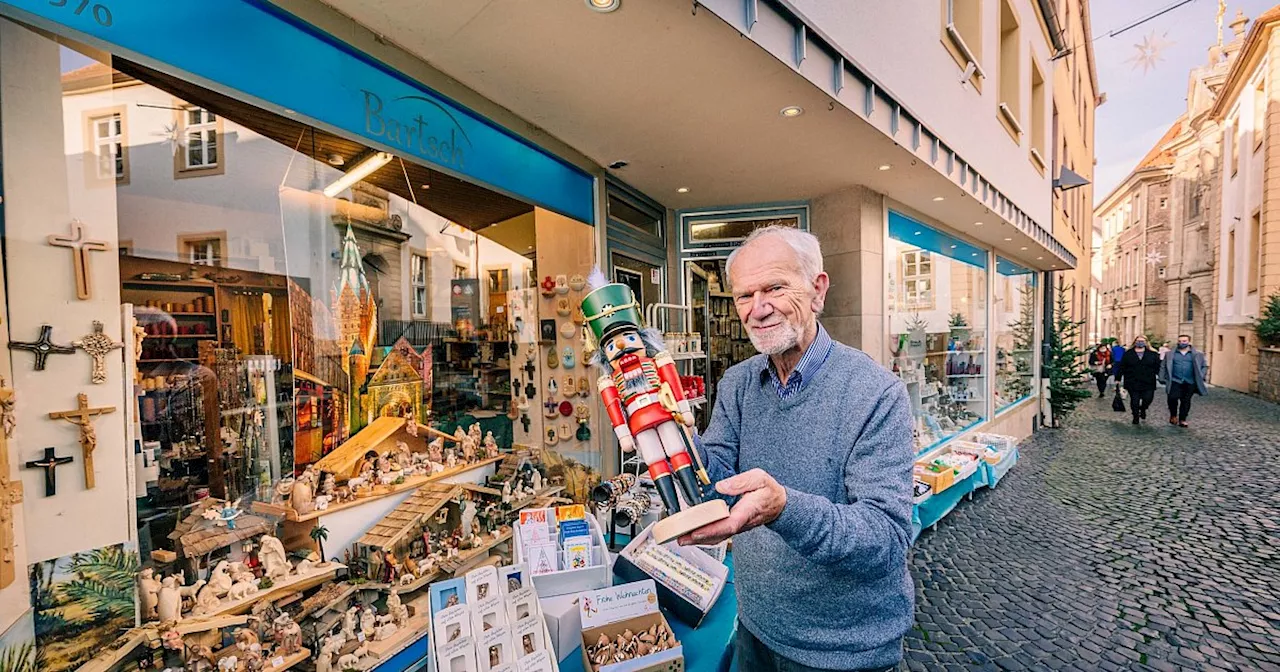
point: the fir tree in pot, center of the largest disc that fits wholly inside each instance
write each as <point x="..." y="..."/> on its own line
<point x="1268" y="325"/>
<point x="1065" y="365"/>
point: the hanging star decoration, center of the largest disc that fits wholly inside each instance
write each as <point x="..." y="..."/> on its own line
<point x="1150" y="51"/>
<point x="1155" y="257"/>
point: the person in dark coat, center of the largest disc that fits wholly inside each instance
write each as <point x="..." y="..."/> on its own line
<point x="1117" y="354"/>
<point x="1100" y="363"/>
<point x="1139" y="369"/>
<point x="1183" y="371"/>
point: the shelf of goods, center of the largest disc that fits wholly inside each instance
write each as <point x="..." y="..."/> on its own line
<point x="953" y="471"/>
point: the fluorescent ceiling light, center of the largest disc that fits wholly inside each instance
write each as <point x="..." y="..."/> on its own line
<point x="358" y="172"/>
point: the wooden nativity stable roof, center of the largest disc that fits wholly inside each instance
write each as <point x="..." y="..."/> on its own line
<point x="344" y="458"/>
<point x="424" y="503"/>
<point x="196" y="536"/>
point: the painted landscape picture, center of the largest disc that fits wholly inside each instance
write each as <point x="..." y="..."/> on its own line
<point x="18" y="646"/>
<point x="83" y="602"/>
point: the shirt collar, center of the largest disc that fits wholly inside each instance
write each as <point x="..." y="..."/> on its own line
<point x="807" y="368"/>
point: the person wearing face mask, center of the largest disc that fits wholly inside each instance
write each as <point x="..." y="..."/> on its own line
<point x="1139" y="369"/>
<point x="1183" y="373"/>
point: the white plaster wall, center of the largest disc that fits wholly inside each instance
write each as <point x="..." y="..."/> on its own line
<point x="1241" y="197"/>
<point x="39" y="200"/>
<point x="926" y="79"/>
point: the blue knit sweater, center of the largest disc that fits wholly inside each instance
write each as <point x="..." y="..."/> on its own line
<point x="825" y="584"/>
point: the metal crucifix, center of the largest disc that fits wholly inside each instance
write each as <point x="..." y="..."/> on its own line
<point x="83" y="418"/>
<point x="80" y="248"/>
<point x="43" y="347"/>
<point x="97" y="345"/>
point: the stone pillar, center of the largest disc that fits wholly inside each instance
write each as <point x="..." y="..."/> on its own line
<point x="851" y="226"/>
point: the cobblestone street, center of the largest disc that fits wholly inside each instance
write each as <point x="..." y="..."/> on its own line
<point x="1114" y="547"/>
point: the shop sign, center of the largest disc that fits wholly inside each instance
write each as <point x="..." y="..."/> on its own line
<point x="257" y="51"/>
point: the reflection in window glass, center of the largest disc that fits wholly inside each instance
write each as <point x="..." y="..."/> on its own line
<point x="937" y="293"/>
<point x="1015" y="336"/>
<point x="280" y="322"/>
<point x="735" y="230"/>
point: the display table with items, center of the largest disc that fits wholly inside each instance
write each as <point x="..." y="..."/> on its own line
<point x="948" y="474"/>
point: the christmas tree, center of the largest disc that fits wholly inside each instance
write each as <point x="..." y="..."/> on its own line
<point x="1065" y="365"/>
<point x="1017" y="382"/>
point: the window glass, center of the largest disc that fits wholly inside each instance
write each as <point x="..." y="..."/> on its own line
<point x="1014" y="317"/>
<point x="275" y="322"/>
<point x="937" y="301"/>
<point x="636" y="214"/>
<point x="735" y="230"/>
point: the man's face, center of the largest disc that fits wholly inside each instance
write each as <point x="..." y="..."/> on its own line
<point x="775" y="302"/>
<point x="1184" y="342"/>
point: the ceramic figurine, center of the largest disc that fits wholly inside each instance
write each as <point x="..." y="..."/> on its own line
<point x="242" y="589"/>
<point x="239" y="573"/>
<point x="506" y="492"/>
<point x="149" y="593"/>
<point x="450" y="459"/>
<point x="282" y="490"/>
<point x="473" y="433"/>
<point x="220" y="578"/>
<point x="435" y="450"/>
<point x="349" y="623"/>
<point x="228" y="664"/>
<point x="490" y="445"/>
<point x="468" y="450"/>
<point x="169" y="600"/>
<point x="200" y="659"/>
<point x="411" y="423"/>
<point x="274" y="561"/>
<point x="646" y="406"/>
<point x="207" y="600"/>
<point x="398" y="611"/>
<point x="324" y="660"/>
<point x="301" y="501"/>
<point x="352" y="660"/>
<point x="536" y="481"/>
<point x="368" y="623"/>
<point x="288" y="635"/>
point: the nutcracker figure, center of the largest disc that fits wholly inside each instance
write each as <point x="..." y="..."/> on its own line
<point x="647" y="408"/>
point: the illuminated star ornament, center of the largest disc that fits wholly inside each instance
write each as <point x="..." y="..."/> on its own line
<point x="1155" y="257"/>
<point x="1149" y="51"/>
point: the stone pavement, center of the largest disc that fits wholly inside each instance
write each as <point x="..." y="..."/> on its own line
<point x="1113" y="547"/>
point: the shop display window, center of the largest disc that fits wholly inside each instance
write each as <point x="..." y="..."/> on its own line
<point x="1014" y="317"/>
<point x="290" y="288"/>
<point x="936" y="290"/>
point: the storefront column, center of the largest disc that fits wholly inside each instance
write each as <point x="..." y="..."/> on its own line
<point x="850" y="225"/>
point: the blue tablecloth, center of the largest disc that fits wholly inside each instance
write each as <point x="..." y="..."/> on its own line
<point x="992" y="473"/>
<point x="707" y="649"/>
<point x="937" y="507"/>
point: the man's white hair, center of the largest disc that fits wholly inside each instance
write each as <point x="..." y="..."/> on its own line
<point x="808" y="250"/>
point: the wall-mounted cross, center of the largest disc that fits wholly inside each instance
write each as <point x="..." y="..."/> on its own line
<point x="80" y="247"/>
<point x="49" y="463"/>
<point x="43" y="347"/>
<point x="83" y="418"/>
<point x="97" y="345"/>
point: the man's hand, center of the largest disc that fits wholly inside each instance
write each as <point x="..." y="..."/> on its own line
<point x="760" y="501"/>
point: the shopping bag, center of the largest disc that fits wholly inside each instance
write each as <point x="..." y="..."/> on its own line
<point x="1117" y="403"/>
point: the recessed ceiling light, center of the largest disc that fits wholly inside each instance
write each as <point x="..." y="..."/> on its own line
<point x="425" y="186"/>
<point x="977" y="223"/>
<point x="682" y="190"/>
<point x="604" y="6"/>
<point x="1007" y="239"/>
<point x="1038" y="258"/>
<point x="1024" y="249"/>
<point x="335" y="159"/>
<point x="885" y="166"/>
<point x="791" y="111"/>
<point x="918" y="233"/>
<point x="939" y="198"/>
<point x="953" y="247"/>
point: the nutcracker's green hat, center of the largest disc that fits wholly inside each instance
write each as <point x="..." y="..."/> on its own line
<point x="610" y="309"/>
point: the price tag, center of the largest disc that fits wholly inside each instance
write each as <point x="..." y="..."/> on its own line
<point x="360" y="637"/>
<point x="278" y="661"/>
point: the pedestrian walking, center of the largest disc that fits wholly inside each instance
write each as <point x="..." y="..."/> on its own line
<point x="1100" y="362"/>
<point x="1183" y="373"/>
<point x="1164" y="350"/>
<point x="1139" y="369"/>
<point x="1117" y="354"/>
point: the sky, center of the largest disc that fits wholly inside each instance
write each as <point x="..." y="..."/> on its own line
<point x="1141" y="105"/>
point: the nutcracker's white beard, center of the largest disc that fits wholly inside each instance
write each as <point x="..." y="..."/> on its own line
<point x="774" y="340"/>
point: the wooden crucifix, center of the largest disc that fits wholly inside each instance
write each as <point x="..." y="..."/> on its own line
<point x="10" y="491"/>
<point x="97" y="345"/>
<point x="49" y="463"/>
<point x="80" y="249"/>
<point x="43" y="347"/>
<point x="83" y="418"/>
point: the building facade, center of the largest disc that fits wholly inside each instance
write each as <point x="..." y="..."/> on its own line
<point x="1134" y="219"/>
<point x="1247" y="242"/>
<point x="1075" y="101"/>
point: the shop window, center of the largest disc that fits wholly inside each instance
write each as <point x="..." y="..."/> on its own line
<point x="203" y="249"/>
<point x="1255" y="252"/>
<point x="418" y="265"/>
<point x="109" y="146"/>
<point x="962" y="35"/>
<point x="1010" y="100"/>
<point x="280" y="323"/>
<point x="940" y="351"/>
<point x="1014" y="317"/>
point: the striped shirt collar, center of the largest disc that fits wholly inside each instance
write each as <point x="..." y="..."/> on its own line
<point x="810" y="362"/>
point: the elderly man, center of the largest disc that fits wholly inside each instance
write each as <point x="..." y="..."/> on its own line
<point x="813" y="440"/>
